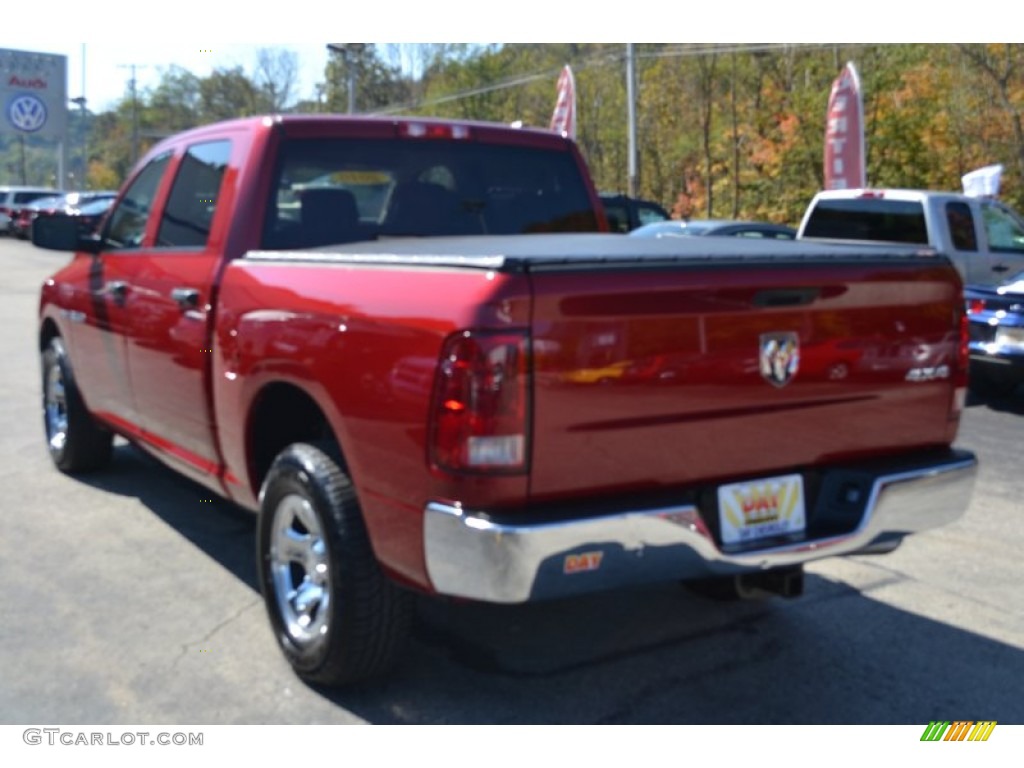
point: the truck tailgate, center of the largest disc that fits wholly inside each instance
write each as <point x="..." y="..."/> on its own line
<point x="658" y="376"/>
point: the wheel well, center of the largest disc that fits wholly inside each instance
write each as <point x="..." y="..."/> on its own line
<point x="281" y="415"/>
<point x="48" y="332"/>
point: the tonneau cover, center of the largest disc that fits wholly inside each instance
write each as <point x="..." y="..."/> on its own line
<point x="585" y="250"/>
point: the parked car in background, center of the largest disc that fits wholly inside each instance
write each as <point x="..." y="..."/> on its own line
<point x="88" y="215"/>
<point x="983" y="237"/>
<point x="57" y="205"/>
<point x="996" y="321"/>
<point x="13" y="198"/>
<point x="728" y="227"/>
<point x="625" y="213"/>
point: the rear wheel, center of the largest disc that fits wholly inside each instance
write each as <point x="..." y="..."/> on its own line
<point x="337" y="617"/>
<point x="75" y="441"/>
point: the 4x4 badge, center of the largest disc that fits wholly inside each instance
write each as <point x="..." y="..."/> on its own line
<point x="780" y="357"/>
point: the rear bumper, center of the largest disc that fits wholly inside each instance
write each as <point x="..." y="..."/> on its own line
<point x="472" y="555"/>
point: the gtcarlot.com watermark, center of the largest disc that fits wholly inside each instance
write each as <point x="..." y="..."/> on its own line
<point x="58" y="736"/>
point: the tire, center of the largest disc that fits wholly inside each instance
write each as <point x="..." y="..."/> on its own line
<point x="337" y="617"/>
<point x="75" y="441"/>
<point x="992" y="383"/>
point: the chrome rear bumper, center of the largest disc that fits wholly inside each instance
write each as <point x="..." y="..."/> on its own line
<point x="471" y="555"/>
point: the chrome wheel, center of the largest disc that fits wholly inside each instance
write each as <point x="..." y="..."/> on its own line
<point x="301" y="571"/>
<point x="56" y="409"/>
<point x="337" y="617"/>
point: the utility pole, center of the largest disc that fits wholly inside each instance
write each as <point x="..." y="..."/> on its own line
<point x="83" y="134"/>
<point x="135" y="111"/>
<point x="631" y="117"/>
<point x="22" y="165"/>
<point x="347" y="51"/>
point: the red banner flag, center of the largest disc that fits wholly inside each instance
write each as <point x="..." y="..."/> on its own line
<point x="844" y="133"/>
<point x="564" y="118"/>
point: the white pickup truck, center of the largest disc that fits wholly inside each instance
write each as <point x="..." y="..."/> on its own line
<point x="983" y="237"/>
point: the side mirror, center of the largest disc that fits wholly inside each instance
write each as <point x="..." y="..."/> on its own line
<point x="62" y="233"/>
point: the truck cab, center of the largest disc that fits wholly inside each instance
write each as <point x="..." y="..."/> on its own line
<point x="982" y="236"/>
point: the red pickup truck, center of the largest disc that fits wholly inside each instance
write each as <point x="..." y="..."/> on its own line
<point x="411" y="346"/>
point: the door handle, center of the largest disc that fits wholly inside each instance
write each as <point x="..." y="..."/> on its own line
<point x="186" y="298"/>
<point x="117" y="289"/>
<point x="1000" y="268"/>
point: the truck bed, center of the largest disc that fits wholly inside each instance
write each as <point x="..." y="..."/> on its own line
<point x="646" y="371"/>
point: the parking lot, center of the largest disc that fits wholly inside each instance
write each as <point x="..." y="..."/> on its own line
<point x="130" y="597"/>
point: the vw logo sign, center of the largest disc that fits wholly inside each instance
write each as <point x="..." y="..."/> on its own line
<point x="26" y="112"/>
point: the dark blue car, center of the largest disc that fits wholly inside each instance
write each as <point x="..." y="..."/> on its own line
<point x="996" y="316"/>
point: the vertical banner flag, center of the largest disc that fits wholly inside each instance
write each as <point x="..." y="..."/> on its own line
<point x="844" y="133"/>
<point x="564" y="118"/>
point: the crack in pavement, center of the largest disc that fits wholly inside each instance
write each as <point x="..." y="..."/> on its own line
<point x="217" y="628"/>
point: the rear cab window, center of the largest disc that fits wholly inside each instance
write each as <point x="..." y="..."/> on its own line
<point x="870" y="219"/>
<point x="330" y="191"/>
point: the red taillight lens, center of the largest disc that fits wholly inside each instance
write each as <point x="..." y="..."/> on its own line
<point x="975" y="306"/>
<point x="963" y="351"/>
<point x="481" y="403"/>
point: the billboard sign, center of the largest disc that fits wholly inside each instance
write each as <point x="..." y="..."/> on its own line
<point x="33" y="94"/>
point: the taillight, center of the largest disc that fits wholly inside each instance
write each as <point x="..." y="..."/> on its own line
<point x="975" y="306"/>
<point x="963" y="351"/>
<point x="481" y="403"/>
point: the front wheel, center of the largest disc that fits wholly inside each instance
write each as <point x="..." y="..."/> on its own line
<point x="75" y="441"/>
<point x="994" y="383"/>
<point x="337" y="617"/>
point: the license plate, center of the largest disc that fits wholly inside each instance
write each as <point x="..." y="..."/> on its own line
<point x="761" y="509"/>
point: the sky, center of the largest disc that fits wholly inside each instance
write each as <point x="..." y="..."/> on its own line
<point x="107" y="67"/>
<point x="201" y="35"/>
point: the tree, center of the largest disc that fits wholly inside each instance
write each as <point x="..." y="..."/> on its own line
<point x="376" y="84"/>
<point x="275" y="77"/>
<point x="1000" y="70"/>
<point x="228" y="93"/>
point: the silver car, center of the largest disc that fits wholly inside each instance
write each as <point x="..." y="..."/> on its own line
<point x="15" y="198"/>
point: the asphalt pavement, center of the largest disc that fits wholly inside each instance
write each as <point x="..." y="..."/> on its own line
<point x="127" y="597"/>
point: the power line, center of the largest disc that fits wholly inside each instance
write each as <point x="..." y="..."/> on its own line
<point x="600" y="60"/>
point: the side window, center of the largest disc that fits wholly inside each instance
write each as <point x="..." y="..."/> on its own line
<point x="648" y="213"/>
<point x="1003" y="230"/>
<point x="961" y="226"/>
<point x="127" y="223"/>
<point x="189" y="211"/>
<point x="618" y="217"/>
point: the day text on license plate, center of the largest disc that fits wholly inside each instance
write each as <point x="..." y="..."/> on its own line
<point x="759" y="509"/>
